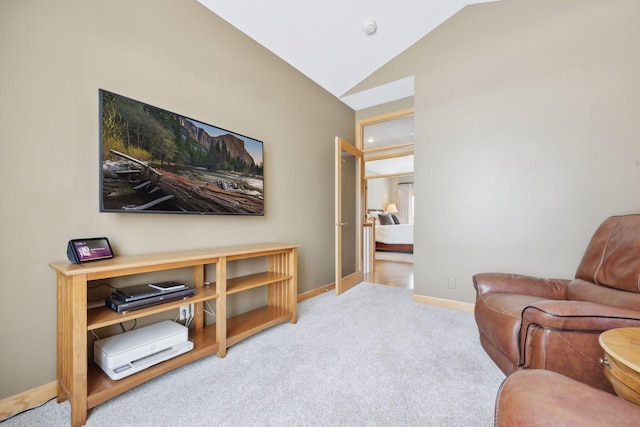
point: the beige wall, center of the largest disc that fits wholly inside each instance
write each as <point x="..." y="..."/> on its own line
<point x="382" y="191"/>
<point x="526" y="121"/>
<point x="378" y="193"/>
<point x="386" y="108"/>
<point x="172" y="54"/>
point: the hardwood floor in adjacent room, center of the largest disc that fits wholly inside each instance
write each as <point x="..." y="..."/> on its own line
<point x="392" y="273"/>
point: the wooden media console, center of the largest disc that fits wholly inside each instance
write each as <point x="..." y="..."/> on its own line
<point x="84" y="384"/>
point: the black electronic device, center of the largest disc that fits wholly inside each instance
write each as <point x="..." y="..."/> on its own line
<point x="119" y="306"/>
<point x="91" y="249"/>
<point x="137" y="292"/>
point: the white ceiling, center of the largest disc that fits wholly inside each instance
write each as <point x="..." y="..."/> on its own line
<point x="389" y="132"/>
<point x="325" y="39"/>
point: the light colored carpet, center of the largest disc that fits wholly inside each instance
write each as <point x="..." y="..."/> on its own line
<point x="371" y="357"/>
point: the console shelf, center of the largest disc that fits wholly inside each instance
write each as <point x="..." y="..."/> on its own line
<point x="244" y="325"/>
<point x="101" y="388"/>
<point x="244" y="283"/>
<point x="99" y="317"/>
<point x="85" y="385"/>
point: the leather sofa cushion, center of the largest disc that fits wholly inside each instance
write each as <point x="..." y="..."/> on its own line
<point x="580" y="290"/>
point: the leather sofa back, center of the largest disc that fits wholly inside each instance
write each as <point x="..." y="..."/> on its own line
<point x="612" y="258"/>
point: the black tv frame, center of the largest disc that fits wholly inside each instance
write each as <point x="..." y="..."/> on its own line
<point x="156" y="161"/>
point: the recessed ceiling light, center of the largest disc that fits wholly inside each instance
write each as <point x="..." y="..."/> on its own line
<point x="370" y="27"/>
<point x="370" y="140"/>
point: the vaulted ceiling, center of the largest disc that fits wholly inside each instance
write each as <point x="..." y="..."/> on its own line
<point x="326" y="41"/>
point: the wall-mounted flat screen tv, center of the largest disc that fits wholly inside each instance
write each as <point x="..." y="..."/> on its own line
<point x="156" y="161"/>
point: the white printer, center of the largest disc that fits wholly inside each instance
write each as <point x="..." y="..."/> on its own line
<point x="122" y="355"/>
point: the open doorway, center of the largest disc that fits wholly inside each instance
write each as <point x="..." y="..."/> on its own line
<point x="393" y="257"/>
<point x="387" y="144"/>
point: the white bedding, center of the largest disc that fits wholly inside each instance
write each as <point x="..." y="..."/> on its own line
<point x="394" y="234"/>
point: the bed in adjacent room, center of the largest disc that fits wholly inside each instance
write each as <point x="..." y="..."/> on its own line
<point x="391" y="235"/>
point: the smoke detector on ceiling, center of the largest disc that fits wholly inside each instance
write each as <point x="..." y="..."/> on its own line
<point x="370" y="27"/>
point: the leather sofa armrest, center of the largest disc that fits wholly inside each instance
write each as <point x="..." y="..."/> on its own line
<point x="519" y="284"/>
<point x="577" y="323"/>
<point x="578" y="316"/>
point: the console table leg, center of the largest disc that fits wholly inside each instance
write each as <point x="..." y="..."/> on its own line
<point x="221" y="306"/>
<point x="76" y="348"/>
<point x="293" y="285"/>
<point x="78" y="412"/>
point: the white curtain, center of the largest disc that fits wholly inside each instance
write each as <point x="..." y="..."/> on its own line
<point x="405" y="203"/>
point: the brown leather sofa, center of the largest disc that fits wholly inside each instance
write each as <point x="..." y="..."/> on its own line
<point x="533" y="323"/>
<point x="543" y="398"/>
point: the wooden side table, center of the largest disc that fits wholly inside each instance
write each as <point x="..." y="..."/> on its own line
<point x="622" y="361"/>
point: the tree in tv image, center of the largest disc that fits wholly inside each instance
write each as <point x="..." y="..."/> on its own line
<point x="156" y="161"/>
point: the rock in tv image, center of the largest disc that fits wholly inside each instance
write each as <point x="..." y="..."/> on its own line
<point x="156" y="161"/>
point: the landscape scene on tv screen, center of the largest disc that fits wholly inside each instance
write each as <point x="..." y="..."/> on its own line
<point x="156" y="161"/>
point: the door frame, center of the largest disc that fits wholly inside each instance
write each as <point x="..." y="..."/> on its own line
<point x="398" y="150"/>
<point x="377" y="119"/>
